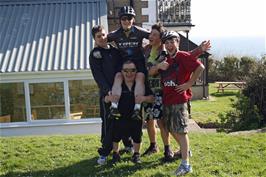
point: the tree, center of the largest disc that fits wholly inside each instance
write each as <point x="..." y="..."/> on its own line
<point x="248" y="66"/>
<point x="229" y="69"/>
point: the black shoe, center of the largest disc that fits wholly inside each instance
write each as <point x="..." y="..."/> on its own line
<point x="168" y="156"/>
<point x="151" y="150"/>
<point x="136" y="158"/>
<point x="116" y="158"/>
<point x="136" y="115"/>
<point x="127" y="150"/>
<point x="114" y="113"/>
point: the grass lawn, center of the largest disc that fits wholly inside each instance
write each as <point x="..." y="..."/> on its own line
<point x="207" y="111"/>
<point x="214" y="154"/>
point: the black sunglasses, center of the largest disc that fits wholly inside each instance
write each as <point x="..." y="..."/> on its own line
<point x="124" y="18"/>
<point x="131" y="70"/>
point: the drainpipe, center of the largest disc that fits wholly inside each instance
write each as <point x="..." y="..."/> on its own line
<point x="131" y="3"/>
<point x="187" y="40"/>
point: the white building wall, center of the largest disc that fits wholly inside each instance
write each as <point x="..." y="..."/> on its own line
<point x="151" y="11"/>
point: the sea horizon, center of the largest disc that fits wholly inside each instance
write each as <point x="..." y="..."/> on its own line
<point x="252" y="46"/>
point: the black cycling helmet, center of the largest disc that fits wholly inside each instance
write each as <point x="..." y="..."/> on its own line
<point x="126" y="10"/>
<point x="169" y="35"/>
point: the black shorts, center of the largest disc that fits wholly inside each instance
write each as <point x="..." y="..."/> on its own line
<point x="124" y="128"/>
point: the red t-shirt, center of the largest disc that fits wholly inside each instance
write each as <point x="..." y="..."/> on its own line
<point x="180" y="68"/>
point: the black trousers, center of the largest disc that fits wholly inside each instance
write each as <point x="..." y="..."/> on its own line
<point x="107" y="130"/>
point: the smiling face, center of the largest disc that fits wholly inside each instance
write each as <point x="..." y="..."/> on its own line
<point x="154" y="37"/>
<point x="127" y="21"/>
<point x="101" y="38"/>
<point x="129" y="72"/>
<point x="172" y="45"/>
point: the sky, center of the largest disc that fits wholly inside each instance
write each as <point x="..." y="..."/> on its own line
<point x="223" y="20"/>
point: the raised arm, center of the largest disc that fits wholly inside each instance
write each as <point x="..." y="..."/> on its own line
<point x="203" y="47"/>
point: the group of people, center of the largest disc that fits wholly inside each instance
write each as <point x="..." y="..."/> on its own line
<point x="129" y="74"/>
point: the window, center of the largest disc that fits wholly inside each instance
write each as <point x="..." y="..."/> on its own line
<point x="47" y="100"/>
<point x="12" y="103"/>
<point x="84" y="100"/>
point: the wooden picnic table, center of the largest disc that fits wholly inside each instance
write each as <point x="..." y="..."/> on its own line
<point x="229" y="86"/>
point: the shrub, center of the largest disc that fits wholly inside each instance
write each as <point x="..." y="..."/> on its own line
<point x="244" y="116"/>
<point x="250" y="107"/>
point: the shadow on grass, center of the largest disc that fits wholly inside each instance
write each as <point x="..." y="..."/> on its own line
<point x="89" y="168"/>
<point x="228" y="93"/>
<point x="209" y="125"/>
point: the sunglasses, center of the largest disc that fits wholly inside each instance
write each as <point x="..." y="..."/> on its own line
<point x="129" y="70"/>
<point x="124" y="18"/>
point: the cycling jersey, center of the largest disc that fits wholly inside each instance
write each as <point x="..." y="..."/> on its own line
<point x="130" y="46"/>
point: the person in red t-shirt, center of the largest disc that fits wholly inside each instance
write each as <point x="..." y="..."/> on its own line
<point x="181" y="72"/>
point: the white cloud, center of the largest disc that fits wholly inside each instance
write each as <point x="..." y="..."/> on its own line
<point x="219" y="18"/>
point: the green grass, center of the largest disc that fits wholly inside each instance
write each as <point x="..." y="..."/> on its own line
<point x="214" y="154"/>
<point x="207" y="111"/>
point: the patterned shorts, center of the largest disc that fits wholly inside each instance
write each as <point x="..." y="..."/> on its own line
<point x="154" y="110"/>
<point x="176" y="118"/>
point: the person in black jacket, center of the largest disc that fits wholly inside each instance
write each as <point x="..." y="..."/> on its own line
<point x="105" y="61"/>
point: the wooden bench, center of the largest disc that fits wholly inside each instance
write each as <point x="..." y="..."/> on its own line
<point x="230" y="86"/>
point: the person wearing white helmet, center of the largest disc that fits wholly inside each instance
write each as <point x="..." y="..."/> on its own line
<point x="154" y="54"/>
<point x="178" y="73"/>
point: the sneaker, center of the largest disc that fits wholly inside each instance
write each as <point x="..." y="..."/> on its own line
<point x="114" y="113"/>
<point x="136" y="115"/>
<point x="177" y="154"/>
<point x="151" y="150"/>
<point x="127" y="150"/>
<point x="116" y="158"/>
<point x="183" y="169"/>
<point x="168" y="156"/>
<point x="102" y="160"/>
<point x="136" y="158"/>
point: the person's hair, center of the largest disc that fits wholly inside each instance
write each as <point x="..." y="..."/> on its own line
<point x="128" y="62"/>
<point x="159" y="27"/>
<point x="96" y="29"/>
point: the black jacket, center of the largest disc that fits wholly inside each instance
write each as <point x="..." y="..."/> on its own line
<point x="104" y="64"/>
<point x="131" y="46"/>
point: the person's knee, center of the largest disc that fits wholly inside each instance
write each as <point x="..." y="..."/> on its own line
<point x="150" y="123"/>
<point x="118" y="77"/>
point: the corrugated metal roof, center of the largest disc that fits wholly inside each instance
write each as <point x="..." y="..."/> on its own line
<point x="47" y="35"/>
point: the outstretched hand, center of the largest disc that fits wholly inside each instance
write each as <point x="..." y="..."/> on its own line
<point x="205" y="45"/>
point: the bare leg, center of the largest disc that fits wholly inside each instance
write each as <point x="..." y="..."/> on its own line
<point x="117" y="88"/>
<point x="184" y="144"/>
<point x="164" y="132"/>
<point x="176" y="138"/>
<point x="136" y="147"/>
<point x="139" y="88"/>
<point x="151" y="130"/>
<point x="115" y="147"/>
